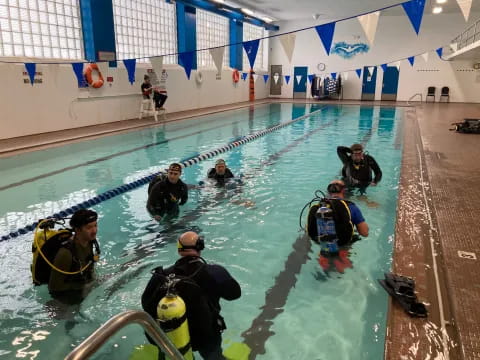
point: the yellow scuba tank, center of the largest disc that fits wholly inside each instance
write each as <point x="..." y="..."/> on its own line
<point x="172" y="317"/>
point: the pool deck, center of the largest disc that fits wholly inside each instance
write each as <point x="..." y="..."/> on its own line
<point x="437" y="219"/>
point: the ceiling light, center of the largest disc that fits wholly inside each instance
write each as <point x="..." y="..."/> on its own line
<point x="247" y="11"/>
<point x="441" y="1"/>
<point x="267" y="19"/>
<point x="437" y="10"/>
<point x="223" y="1"/>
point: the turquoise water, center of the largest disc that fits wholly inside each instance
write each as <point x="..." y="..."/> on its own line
<point x="307" y="314"/>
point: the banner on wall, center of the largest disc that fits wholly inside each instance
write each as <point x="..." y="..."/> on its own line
<point x="369" y="24"/>
<point x="288" y="44"/>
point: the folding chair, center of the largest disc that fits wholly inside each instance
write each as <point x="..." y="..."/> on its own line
<point x="445" y="93"/>
<point x="430" y="93"/>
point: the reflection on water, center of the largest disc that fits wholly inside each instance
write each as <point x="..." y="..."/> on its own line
<point x="26" y="341"/>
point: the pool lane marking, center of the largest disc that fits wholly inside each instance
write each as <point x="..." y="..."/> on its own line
<point x="146" y="179"/>
<point x="108" y="157"/>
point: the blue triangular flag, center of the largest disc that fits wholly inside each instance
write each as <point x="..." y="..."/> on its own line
<point x="334" y="76"/>
<point x="414" y="10"/>
<point x="384" y="67"/>
<point x="265" y="78"/>
<point x="251" y="48"/>
<point x="359" y="72"/>
<point x="439" y="52"/>
<point x="185" y="59"/>
<point x="287" y="78"/>
<point x="310" y="78"/>
<point x="130" y="66"/>
<point x="31" y="71"/>
<point x="411" y="60"/>
<point x="244" y="76"/>
<point x="78" y="70"/>
<point x="325" y="32"/>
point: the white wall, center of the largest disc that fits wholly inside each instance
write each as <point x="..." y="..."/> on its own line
<point x="395" y="39"/>
<point x="59" y="104"/>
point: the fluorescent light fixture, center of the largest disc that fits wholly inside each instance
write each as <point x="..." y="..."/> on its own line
<point x="437" y="10"/>
<point x="247" y="11"/>
<point x="441" y="1"/>
<point x="223" y="1"/>
<point x="267" y="19"/>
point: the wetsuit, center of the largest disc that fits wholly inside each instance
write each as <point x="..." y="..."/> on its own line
<point x="164" y="197"/>
<point x="71" y="257"/>
<point x="358" y="175"/>
<point x="212" y="174"/>
<point x="158" y="97"/>
<point x="214" y="282"/>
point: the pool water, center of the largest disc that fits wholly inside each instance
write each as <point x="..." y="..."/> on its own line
<point x="290" y="308"/>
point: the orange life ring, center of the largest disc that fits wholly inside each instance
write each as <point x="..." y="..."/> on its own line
<point x="88" y="76"/>
<point x="235" y="76"/>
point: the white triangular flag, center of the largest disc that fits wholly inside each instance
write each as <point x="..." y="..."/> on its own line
<point x="465" y="6"/>
<point x="217" y="56"/>
<point x="103" y="67"/>
<point x="275" y="78"/>
<point x="369" y="24"/>
<point x="255" y="77"/>
<point x="454" y="46"/>
<point x="157" y="64"/>
<point x="370" y="70"/>
<point x="425" y="57"/>
<point x="345" y="75"/>
<point x="397" y="65"/>
<point x="299" y="78"/>
<point x="288" y="43"/>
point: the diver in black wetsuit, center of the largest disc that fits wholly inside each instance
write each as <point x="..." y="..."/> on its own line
<point x="220" y="172"/>
<point x="358" y="167"/>
<point x="166" y="193"/>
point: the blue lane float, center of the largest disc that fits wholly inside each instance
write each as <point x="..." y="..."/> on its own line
<point x="146" y="179"/>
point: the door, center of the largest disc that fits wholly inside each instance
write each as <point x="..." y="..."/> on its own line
<point x="300" y="82"/>
<point x="276" y="80"/>
<point x="369" y="82"/>
<point x="390" y="83"/>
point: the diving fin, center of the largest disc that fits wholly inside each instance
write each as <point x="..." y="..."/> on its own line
<point x="402" y="289"/>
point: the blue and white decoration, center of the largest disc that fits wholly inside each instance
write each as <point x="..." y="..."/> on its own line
<point x="348" y="51"/>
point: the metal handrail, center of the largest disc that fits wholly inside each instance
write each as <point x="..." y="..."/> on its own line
<point x="91" y="344"/>
<point x="464" y="38"/>
<point x="411" y="98"/>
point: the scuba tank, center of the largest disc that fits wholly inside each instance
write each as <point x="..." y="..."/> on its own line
<point x="327" y="236"/>
<point x="172" y="318"/>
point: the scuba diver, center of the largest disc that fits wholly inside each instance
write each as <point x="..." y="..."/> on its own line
<point x="199" y="286"/>
<point x="73" y="264"/>
<point x="357" y="167"/>
<point x="220" y="172"/>
<point x="331" y="224"/>
<point x="166" y="193"/>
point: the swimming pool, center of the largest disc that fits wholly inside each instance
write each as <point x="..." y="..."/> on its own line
<point x="290" y="308"/>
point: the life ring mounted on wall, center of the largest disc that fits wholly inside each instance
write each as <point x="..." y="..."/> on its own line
<point x="88" y="76"/>
<point x="199" y="77"/>
<point x="236" y="76"/>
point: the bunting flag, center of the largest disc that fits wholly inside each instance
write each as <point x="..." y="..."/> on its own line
<point x="130" y="66"/>
<point x="265" y="78"/>
<point x="334" y="75"/>
<point x="384" y="67"/>
<point x="370" y="70"/>
<point x="244" y="76"/>
<point x="31" y="67"/>
<point x="397" y="65"/>
<point x="275" y="78"/>
<point x="425" y="57"/>
<point x="217" y="56"/>
<point x="288" y="43"/>
<point x="157" y="65"/>
<point x="255" y="77"/>
<point x="298" y="78"/>
<point x="78" y="70"/>
<point x="310" y="78"/>
<point x="440" y="52"/>
<point x="359" y="73"/>
<point x="411" y="60"/>
<point x="345" y="75"/>
<point x="414" y="10"/>
<point x="287" y="78"/>
<point x="465" y="6"/>
<point x="454" y="46"/>
<point x="325" y="32"/>
<point x="251" y="48"/>
<point x="369" y="24"/>
<point x="185" y="59"/>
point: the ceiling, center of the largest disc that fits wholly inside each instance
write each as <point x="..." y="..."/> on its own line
<point x="284" y="10"/>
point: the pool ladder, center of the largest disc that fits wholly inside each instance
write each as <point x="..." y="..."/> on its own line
<point x="413" y="96"/>
<point x="91" y="344"/>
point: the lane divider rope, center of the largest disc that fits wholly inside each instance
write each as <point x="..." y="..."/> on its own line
<point x="146" y="179"/>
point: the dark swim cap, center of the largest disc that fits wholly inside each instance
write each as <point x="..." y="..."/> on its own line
<point x="220" y="162"/>
<point x="175" y="167"/>
<point x="83" y="217"/>
<point x="335" y="187"/>
<point x="356" y="147"/>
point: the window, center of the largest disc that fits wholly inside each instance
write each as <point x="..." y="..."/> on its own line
<point x="212" y="30"/>
<point x="253" y="32"/>
<point x="40" y="28"/>
<point x="145" y="28"/>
